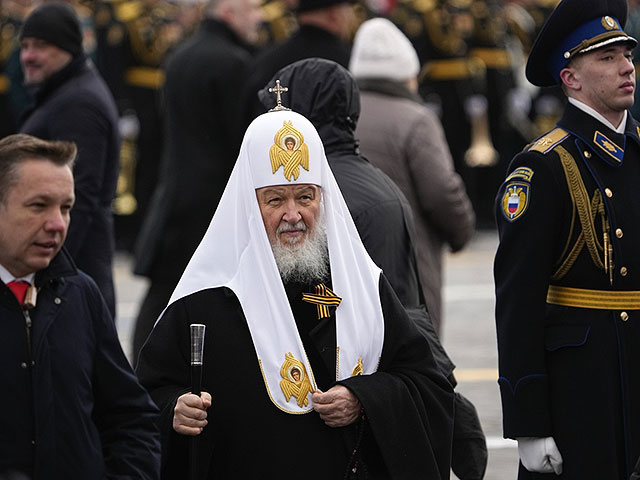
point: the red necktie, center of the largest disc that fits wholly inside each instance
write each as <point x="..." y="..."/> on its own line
<point x="19" y="289"/>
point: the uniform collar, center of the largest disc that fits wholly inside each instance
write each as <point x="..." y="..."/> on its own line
<point x="605" y="142"/>
<point x="595" y="114"/>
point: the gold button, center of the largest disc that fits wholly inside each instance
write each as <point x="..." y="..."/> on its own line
<point x="608" y="192"/>
<point x="587" y="154"/>
<point x="619" y="233"/>
<point x="623" y="271"/>
<point x="624" y="316"/>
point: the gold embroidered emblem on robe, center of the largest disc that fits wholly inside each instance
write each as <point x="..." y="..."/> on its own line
<point x="359" y="369"/>
<point x="295" y="381"/>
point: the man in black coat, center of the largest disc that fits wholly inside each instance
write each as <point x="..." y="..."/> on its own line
<point x="328" y="95"/>
<point x="73" y="407"/>
<point x="567" y="295"/>
<point x="324" y="30"/>
<point x="73" y="103"/>
<point x="202" y="134"/>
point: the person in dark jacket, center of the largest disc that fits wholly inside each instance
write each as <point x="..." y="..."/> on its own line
<point x="202" y="134"/>
<point x="328" y="95"/>
<point x="73" y="103"/>
<point x="72" y="407"/>
<point x="324" y="30"/>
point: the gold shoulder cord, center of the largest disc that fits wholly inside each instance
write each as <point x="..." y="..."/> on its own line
<point x="587" y="211"/>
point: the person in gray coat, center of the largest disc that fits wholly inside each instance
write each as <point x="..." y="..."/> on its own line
<point x="403" y="138"/>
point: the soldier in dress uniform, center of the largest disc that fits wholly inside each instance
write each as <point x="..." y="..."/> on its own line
<point x="439" y="33"/>
<point x="141" y="36"/>
<point x="488" y="45"/>
<point x="567" y="269"/>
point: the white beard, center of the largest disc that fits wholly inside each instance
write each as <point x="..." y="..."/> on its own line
<point x="304" y="261"/>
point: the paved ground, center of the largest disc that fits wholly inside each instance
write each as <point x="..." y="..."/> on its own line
<point x="468" y="336"/>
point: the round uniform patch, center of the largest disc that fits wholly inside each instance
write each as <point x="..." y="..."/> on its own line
<point x="515" y="200"/>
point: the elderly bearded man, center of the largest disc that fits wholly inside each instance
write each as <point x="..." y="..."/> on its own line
<point x="284" y="283"/>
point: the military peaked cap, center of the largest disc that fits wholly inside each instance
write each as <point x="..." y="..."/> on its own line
<point x="575" y="27"/>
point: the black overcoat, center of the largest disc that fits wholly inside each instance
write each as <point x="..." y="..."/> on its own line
<point x="75" y="105"/>
<point x="72" y="407"/>
<point x="202" y="139"/>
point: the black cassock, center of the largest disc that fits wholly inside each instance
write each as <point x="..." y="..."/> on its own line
<point x="405" y="433"/>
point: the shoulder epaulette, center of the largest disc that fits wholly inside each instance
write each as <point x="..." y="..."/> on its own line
<point x="548" y="142"/>
<point x="127" y="11"/>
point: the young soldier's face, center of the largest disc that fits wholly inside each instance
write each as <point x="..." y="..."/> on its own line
<point x="289" y="212"/>
<point x="606" y="78"/>
<point x="34" y="216"/>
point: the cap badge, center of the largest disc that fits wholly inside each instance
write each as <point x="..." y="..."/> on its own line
<point x="295" y="382"/>
<point x="289" y="151"/>
<point x="609" y="23"/>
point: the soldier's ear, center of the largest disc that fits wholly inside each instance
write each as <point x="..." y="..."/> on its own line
<point x="570" y="79"/>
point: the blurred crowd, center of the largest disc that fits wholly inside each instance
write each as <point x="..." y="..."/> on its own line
<point x="471" y="76"/>
<point x="472" y="55"/>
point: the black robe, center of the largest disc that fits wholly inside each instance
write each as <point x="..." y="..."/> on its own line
<point x="405" y="433"/>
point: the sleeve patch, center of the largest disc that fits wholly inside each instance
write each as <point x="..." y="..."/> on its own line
<point x="524" y="173"/>
<point x="515" y="200"/>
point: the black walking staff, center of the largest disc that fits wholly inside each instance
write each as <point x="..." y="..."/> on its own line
<point x="197" y="349"/>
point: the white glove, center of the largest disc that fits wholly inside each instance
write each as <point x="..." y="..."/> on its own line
<point x="540" y="454"/>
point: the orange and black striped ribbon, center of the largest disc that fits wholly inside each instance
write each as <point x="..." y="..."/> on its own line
<point x="323" y="298"/>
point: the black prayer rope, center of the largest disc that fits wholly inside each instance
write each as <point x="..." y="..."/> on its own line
<point x="355" y="465"/>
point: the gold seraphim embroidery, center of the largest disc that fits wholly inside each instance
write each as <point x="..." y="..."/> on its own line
<point x="295" y="381"/>
<point x="289" y="151"/>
